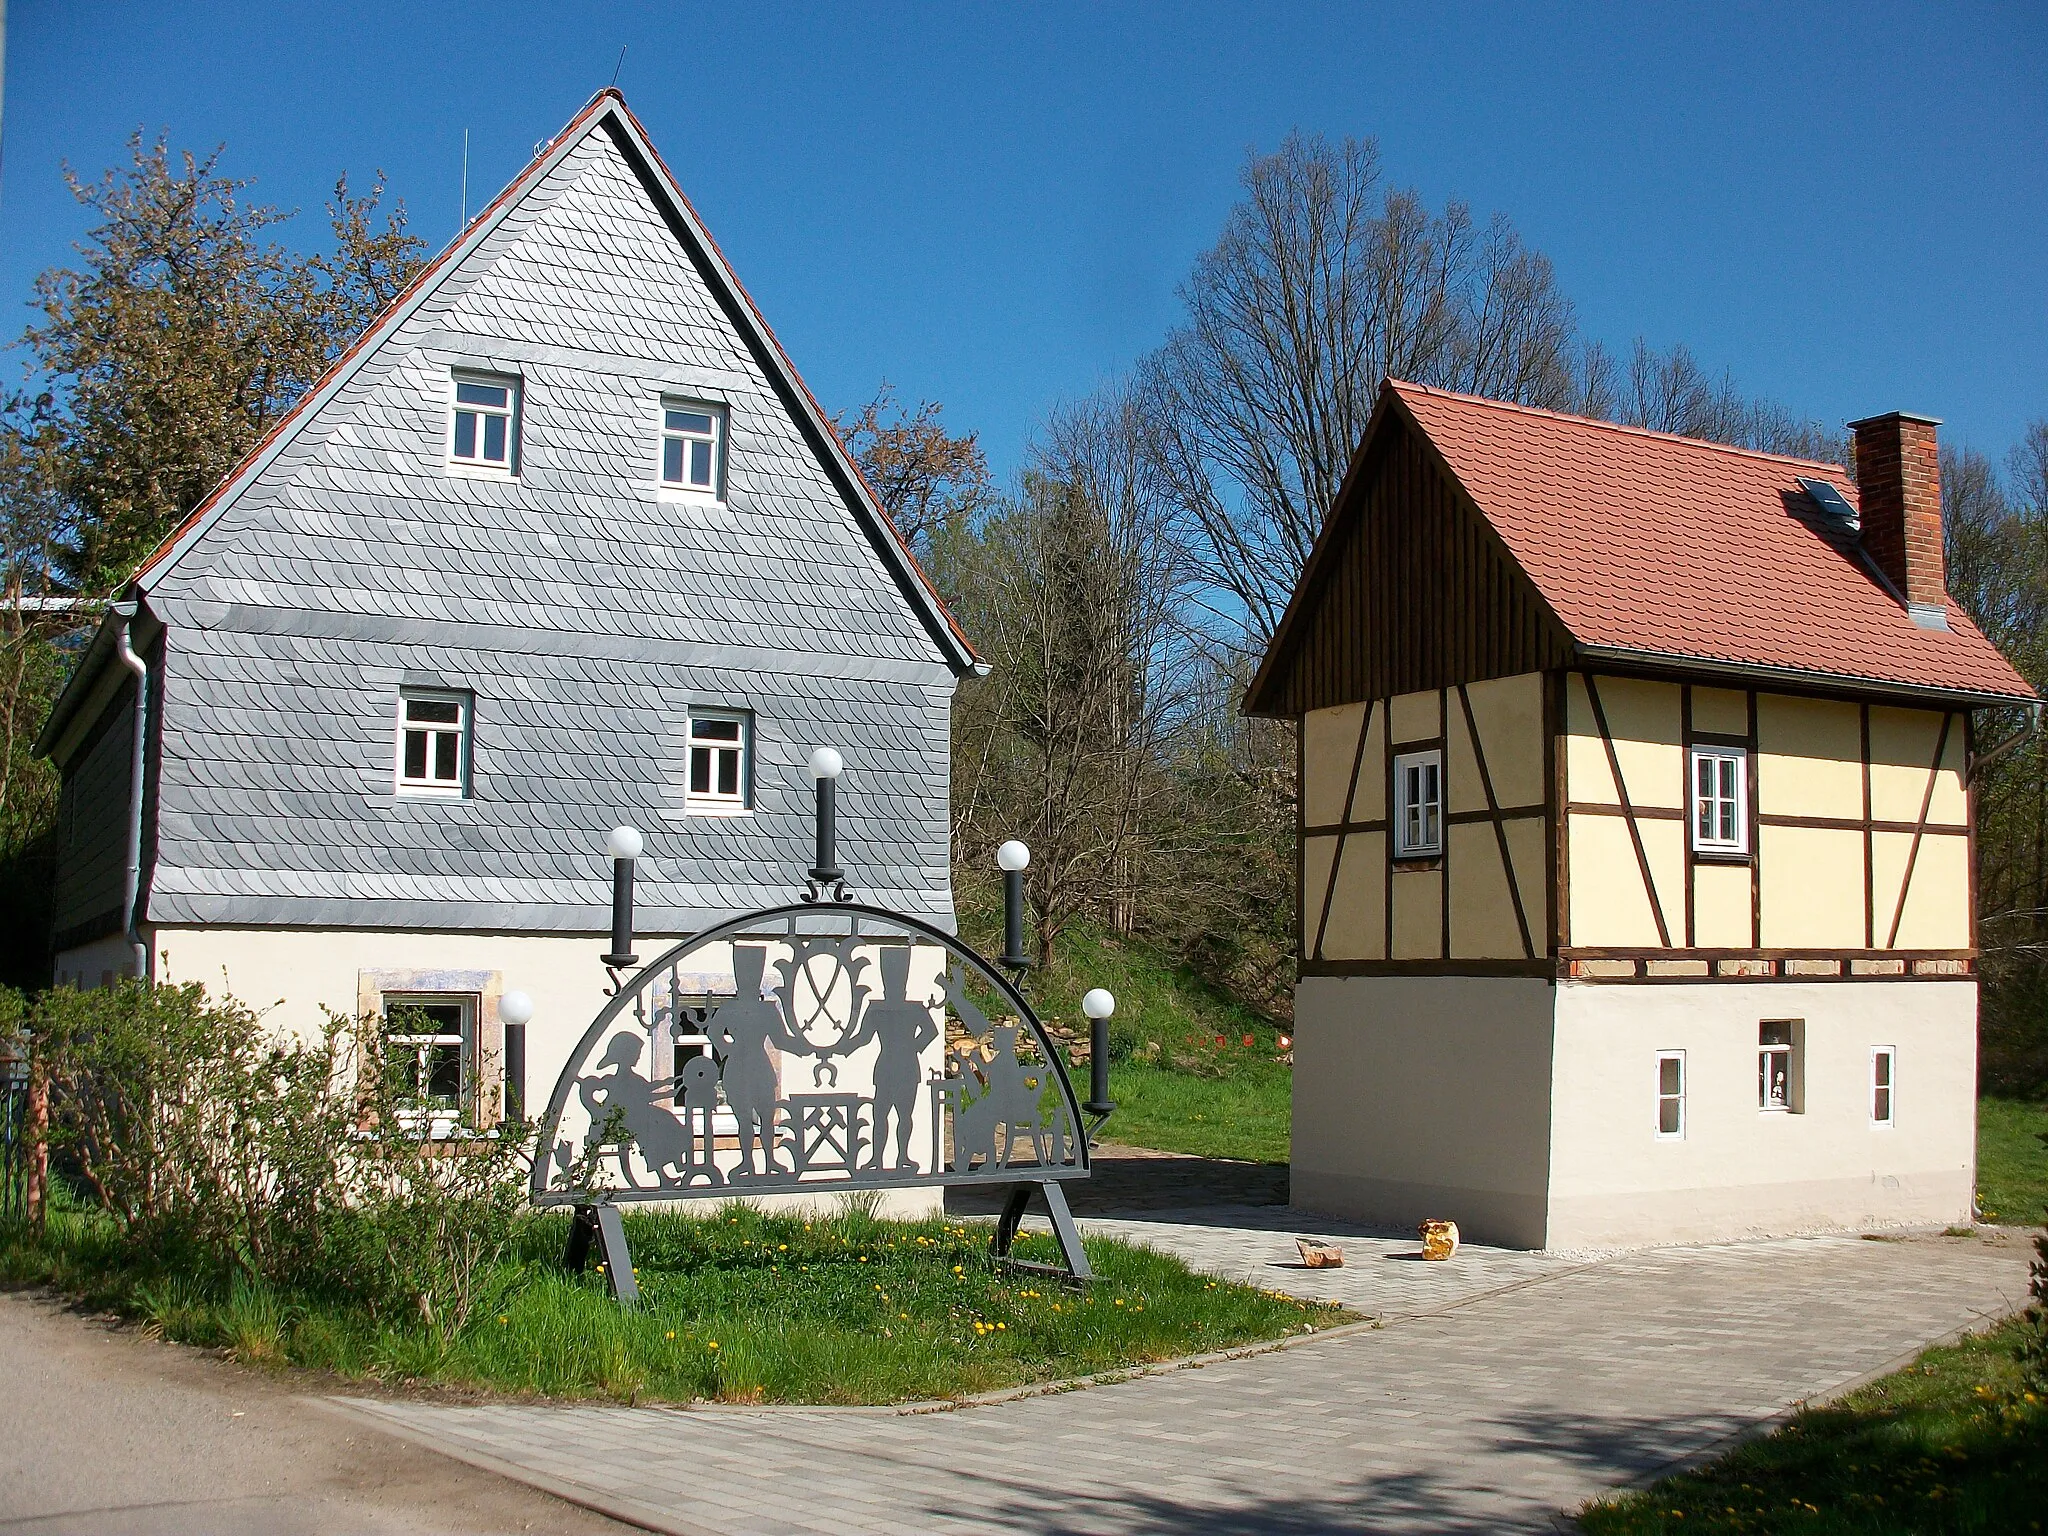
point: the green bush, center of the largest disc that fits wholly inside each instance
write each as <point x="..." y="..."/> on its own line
<point x="251" y="1163"/>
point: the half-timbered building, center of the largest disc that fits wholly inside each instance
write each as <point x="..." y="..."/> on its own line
<point x="1635" y="839"/>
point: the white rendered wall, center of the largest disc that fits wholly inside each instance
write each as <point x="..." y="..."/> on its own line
<point x="1739" y="1171"/>
<point x="296" y="973"/>
<point x="95" y="964"/>
<point x="1425" y="1096"/>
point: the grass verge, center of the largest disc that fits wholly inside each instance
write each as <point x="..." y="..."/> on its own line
<point x="737" y="1307"/>
<point x="1953" y="1443"/>
<point x="2012" y="1161"/>
<point x="1246" y="1115"/>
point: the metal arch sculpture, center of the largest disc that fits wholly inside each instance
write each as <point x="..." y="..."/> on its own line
<point x="791" y="1051"/>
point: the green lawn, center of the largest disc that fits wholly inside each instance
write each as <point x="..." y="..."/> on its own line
<point x="1951" y="1444"/>
<point x="736" y="1306"/>
<point x="1244" y="1115"/>
<point x="2012" y="1162"/>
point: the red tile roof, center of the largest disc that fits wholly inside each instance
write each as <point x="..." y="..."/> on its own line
<point x="1650" y="543"/>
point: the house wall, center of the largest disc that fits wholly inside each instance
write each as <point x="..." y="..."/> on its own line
<point x="1425" y="1096"/>
<point x="1485" y="897"/>
<point x="1859" y="859"/>
<point x="1741" y="1171"/>
<point x="92" y="831"/>
<point x="295" y="976"/>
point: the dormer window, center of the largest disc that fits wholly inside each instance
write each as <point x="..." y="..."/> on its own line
<point x="483" y="430"/>
<point x="692" y="447"/>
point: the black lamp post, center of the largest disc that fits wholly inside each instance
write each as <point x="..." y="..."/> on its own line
<point x="828" y="880"/>
<point x="624" y="845"/>
<point x="1013" y="858"/>
<point x="1098" y="1004"/>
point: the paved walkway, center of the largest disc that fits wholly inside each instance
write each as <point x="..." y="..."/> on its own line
<point x="1518" y="1388"/>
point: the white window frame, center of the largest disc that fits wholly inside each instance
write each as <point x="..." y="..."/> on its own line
<point x="437" y="1120"/>
<point x="432" y="786"/>
<point x="717" y="440"/>
<point x="1663" y="1098"/>
<point x="1888" y="1086"/>
<point x="1428" y="839"/>
<point x="512" y="414"/>
<point x="1736" y="761"/>
<point x="1793" y="1051"/>
<point x="713" y="802"/>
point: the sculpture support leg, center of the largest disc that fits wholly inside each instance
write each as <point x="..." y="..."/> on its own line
<point x="603" y="1223"/>
<point x="1063" y="1227"/>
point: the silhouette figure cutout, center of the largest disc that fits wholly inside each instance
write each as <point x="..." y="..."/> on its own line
<point x="663" y="1148"/>
<point x="904" y="1029"/>
<point x="697" y="1089"/>
<point x="741" y="1030"/>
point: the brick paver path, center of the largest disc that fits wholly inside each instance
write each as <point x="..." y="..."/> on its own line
<point x="1488" y="1414"/>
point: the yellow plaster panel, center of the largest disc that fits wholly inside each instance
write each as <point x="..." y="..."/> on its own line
<point x="1369" y="794"/>
<point x="1461" y="767"/>
<point x="1644" y="719"/>
<point x="1812" y="887"/>
<point x="1609" y="906"/>
<point x="1720" y="711"/>
<point x="1418" y="914"/>
<point x="1482" y="909"/>
<point x="1902" y="745"/>
<point x="1316" y="853"/>
<point x="1587" y="776"/>
<point x="1720" y="906"/>
<point x="1417" y="716"/>
<point x="1664" y="847"/>
<point x="1509" y="711"/>
<point x="1357" y="927"/>
<point x="1329" y="748"/>
<point x="1937" y="912"/>
<point x="1529" y="846"/>
<point x="1810" y="760"/>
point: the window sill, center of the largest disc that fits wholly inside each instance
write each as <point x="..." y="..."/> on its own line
<point x="683" y="495"/>
<point x="727" y="812"/>
<point x="1721" y="855"/>
<point x="422" y="792"/>
<point x="464" y="471"/>
<point x="1417" y="863"/>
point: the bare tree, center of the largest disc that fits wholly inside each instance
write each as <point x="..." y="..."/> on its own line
<point x="1325" y="282"/>
<point x="928" y="481"/>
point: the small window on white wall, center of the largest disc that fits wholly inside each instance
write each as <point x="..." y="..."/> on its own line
<point x="1883" y="1088"/>
<point x="1720" y="800"/>
<point x="1671" y="1093"/>
<point x="1418" y="805"/>
<point x="1779" y="1069"/>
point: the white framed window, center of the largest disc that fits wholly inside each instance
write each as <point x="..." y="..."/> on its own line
<point x="1671" y="1094"/>
<point x="1720" y="800"/>
<point x="693" y="447"/>
<point x="433" y="743"/>
<point x="483" y="423"/>
<point x="429" y="1054"/>
<point x="721" y="766"/>
<point x="1883" y="1086"/>
<point x="1778" y="1066"/>
<point x="1418" y="805"/>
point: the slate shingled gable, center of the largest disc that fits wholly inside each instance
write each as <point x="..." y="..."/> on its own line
<point x="585" y="610"/>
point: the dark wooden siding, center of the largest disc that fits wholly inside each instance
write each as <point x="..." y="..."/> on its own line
<point x="1415" y="592"/>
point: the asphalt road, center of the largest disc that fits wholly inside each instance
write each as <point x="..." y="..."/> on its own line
<point x="104" y="1432"/>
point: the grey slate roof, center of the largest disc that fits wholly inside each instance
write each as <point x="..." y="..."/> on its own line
<point x="585" y="610"/>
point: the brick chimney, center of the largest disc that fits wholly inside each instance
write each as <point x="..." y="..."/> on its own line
<point x="1898" y="482"/>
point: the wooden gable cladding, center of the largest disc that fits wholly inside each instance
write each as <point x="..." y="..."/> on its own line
<point x="1409" y="589"/>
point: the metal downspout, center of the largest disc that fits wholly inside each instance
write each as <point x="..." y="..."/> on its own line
<point x="131" y="889"/>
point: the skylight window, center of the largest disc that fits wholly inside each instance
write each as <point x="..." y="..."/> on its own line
<point x="1832" y="503"/>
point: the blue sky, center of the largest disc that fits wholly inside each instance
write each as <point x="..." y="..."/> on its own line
<point x="1846" y="205"/>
